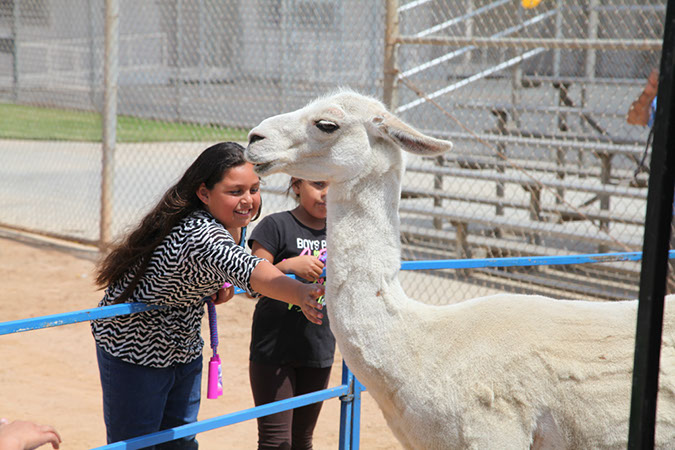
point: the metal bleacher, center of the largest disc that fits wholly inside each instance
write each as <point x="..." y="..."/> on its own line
<point x="515" y="187"/>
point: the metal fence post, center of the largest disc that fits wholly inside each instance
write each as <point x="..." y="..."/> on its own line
<point x="346" y="410"/>
<point x="350" y="411"/>
<point x="391" y="33"/>
<point x="180" y="51"/>
<point x="92" y="54"/>
<point x="109" y="119"/>
<point x="15" y="48"/>
<point x="655" y="248"/>
<point x="356" y="414"/>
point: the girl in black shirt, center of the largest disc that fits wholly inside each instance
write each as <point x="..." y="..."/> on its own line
<point x="291" y="356"/>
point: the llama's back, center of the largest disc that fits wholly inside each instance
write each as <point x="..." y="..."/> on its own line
<point x="595" y="400"/>
<point x="582" y="354"/>
<point x="665" y="427"/>
<point x="511" y="360"/>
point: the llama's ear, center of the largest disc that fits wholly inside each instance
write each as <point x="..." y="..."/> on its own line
<point x="408" y="138"/>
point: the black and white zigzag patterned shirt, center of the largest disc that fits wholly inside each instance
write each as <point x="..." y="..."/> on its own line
<point x="197" y="257"/>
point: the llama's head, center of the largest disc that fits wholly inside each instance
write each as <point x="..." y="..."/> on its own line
<point x="336" y="138"/>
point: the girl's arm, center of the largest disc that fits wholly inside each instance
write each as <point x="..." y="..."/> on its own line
<point x="305" y="266"/>
<point x="271" y="282"/>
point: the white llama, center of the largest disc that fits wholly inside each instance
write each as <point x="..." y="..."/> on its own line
<point x="498" y="372"/>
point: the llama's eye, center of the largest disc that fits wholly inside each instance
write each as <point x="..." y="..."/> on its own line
<point x="326" y="126"/>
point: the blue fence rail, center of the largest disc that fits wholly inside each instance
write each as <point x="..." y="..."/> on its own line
<point x="349" y="392"/>
<point x="84" y="315"/>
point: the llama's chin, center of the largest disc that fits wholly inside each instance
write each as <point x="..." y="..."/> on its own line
<point x="264" y="168"/>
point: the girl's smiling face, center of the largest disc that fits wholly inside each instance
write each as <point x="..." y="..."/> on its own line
<point x="235" y="199"/>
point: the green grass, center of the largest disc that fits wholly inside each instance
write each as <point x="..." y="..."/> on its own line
<point x="29" y="122"/>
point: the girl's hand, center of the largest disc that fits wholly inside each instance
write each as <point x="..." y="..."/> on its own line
<point x="22" y="435"/>
<point x="223" y="295"/>
<point x="307" y="295"/>
<point x="305" y="266"/>
<point x="269" y="281"/>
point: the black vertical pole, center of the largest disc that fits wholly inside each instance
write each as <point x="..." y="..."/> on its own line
<point x="655" y="253"/>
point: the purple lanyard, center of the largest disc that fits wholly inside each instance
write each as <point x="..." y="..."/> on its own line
<point x="215" y="386"/>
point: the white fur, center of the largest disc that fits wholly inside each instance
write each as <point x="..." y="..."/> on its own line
<point x="499" y="372"/>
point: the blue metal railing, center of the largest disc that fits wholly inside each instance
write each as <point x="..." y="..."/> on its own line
<point x="349" y="392"/>
<point x="84" y="315"/>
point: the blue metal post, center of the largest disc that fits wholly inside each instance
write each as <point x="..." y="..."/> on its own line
<point x="346" y="409"/>
<point x="350" y="412"/>
<point x="356" y="414"/>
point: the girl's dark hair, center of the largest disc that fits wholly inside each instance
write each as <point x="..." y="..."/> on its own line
<point x="178" y="202"/>
<point x="291" y="183"/>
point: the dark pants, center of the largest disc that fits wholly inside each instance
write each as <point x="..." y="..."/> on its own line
<point x="288" y="429"/>
<point x="139" y="400"/>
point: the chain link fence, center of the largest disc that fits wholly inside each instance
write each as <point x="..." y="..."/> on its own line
<point x="545" y="163"/>
<point x="534" y="99"/>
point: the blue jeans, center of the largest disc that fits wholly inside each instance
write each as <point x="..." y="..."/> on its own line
<point x="139" y="400"/>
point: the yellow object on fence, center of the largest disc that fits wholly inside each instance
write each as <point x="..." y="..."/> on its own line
<point x="528" y="4"/>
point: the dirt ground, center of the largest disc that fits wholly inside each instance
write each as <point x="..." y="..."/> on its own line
<point x="50" y="375"/>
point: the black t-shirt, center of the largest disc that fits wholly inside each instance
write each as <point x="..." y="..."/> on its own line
<point x="281" y="334"/>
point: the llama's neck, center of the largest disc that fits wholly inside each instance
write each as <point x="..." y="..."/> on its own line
<point x="363" y="233"/>
<point x="364" y="298"/>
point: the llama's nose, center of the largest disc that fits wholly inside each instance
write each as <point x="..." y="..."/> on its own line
<point x="255" y="138"/>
